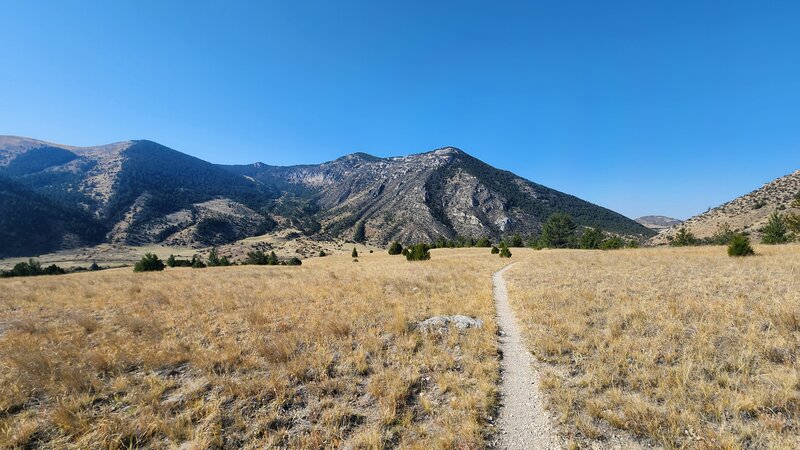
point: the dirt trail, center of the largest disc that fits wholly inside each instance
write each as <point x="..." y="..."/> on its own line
<point x="523" y="421"/>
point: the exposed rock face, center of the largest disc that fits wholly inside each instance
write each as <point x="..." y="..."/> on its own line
<point x="658" y="223"/>
<point x="421" y="197"/>
<point x="747" y="213"/>
<point x="140" y="192"/>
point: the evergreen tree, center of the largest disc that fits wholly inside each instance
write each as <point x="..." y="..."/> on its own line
<point x="272" y="259"/>
<point x="558" y="231"/>
<point x="396" y="248"/>
<point x="148" y="263"/>
<point x="505" y="252"/>
<point x="591" y="238"/>
<point x="774" y="232"/>
<point x="197" y="262"/>
<point x="483" y="242"/>
<point x="213" y="258"/>
<point x="495" y="250"/>
<point x="257" y="258"/>
<point x="612" y="243"/>
<point x="294" y="261"/>
<point x="515" y="240"/>
<point x="94" y="266"/>
<point x="171" y="261"/>
<point x="354" y="253"/>
<point x="683" y="238"/>
<point x="322" y="253"/>
<point x="740" y="246"/>
<point x="418" y="252"/>
<point x="723" y="235"/>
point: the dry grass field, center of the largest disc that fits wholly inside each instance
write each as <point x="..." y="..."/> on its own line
<point x="317" y="356"/>
<point x="684" y="348"/>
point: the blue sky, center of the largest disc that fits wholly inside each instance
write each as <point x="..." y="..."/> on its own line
<point x="645" y="107"/>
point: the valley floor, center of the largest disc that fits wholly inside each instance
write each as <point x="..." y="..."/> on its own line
<point x="675" y="348"/>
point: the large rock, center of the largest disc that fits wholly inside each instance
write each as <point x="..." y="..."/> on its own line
<point x="441" y="324"/>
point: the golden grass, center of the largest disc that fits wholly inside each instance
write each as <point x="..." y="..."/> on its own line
<point x="685" y="348"/>
<point x="317" y="356"/>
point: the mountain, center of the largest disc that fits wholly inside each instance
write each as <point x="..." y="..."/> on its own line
<point x="747" y="213"/>
<point x="421" y="197"/>
<point x="140" y="192"/>
<point x="658" y="223"/>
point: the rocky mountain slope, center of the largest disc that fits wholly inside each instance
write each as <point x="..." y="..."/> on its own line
<point x="658" y="223"/>
<point x="424" y="196"/>
<point x="140" y="192"/>
<point x="747" y="213"/>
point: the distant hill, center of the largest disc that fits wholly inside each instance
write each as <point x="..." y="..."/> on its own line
<point x="658" y="223"/>
<point x="747" y="213"/>
<point x="140" y="192"/>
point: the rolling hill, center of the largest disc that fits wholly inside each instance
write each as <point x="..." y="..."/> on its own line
<point x="747" y="213"/>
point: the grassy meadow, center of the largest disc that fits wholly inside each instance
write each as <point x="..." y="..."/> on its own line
<point x="684" y="348"/>
<point x="680" y="348"/>
<point x="324" y="355"/>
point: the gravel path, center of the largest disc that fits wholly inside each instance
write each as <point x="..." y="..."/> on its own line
<point x="523" y="422"/>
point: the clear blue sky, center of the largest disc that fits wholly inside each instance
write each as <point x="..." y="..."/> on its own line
<point x="645" y="107"/>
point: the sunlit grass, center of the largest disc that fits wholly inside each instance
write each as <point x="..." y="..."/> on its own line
<point x="686" y="347"/>
<point x="321" y="355"/>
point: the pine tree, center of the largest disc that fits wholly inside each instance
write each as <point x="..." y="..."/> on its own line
<point x="774" y="232"/>
<point x="148" y="263"/>
<point x="396" y="248"/>
<point x="740" y="246"/>
<point x="558" y="231"/>
<point x="505" y="252"/>
<point x="354" y="253"/>
<point x="592" y="238"/>
<point x="213" y="258"/>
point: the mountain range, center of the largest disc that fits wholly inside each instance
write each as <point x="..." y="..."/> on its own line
<point x="139" y="192"/>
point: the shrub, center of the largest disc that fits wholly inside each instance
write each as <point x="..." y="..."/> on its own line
<point x="197" y="262"/>
<point x="483" y="242"/>
<point x="558" y="231"/>
<point x="295" y="261"/>
<point x="94" y="266"/>
<point x="612" y="243"/>
<point x="396" y="248"/>
<point x="404" y="252"/>
<point x="633" y="243"/>
<point x="419" y="252"/>
<point x="592" y="238"/>
<point x="354" y="253"/>
<point x="148" y="263"/>
<point x="505" y="252"/>
<point x="515" y="241"/>
<point x="759" y="204"/>
<point x="740" y="246"/>
<point x="495" y="250"/>
<point x="775" y="232"/>
<point x="322" y="253"/>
